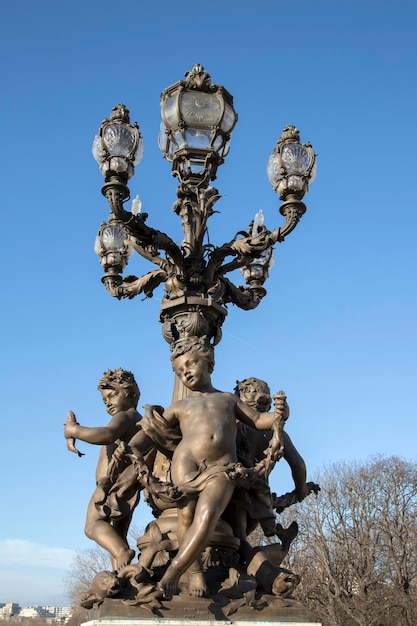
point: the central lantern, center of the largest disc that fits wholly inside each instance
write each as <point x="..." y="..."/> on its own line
<point x="197" y="119"/>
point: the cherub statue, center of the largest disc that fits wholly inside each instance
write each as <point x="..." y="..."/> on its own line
<point x="204" y="463"/>
<point x="117" y="487"/>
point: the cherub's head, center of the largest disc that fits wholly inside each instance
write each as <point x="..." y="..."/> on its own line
<point x="193" y="361"/>
<point x="254" y="392"/>
<point x="119" y="390"/>
<point x="104" y="585"/>
<point x="193" y="344"/>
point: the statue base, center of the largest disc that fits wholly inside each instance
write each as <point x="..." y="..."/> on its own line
<point x="184" y="609"/>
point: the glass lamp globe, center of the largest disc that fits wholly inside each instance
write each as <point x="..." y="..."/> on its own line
<point x="118" y="146"/>
<point x="197" y="119"/>
<point x="110" y="246"/>
<point x="291" y="165"/>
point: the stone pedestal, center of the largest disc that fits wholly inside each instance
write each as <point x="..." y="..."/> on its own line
<point x="187" y="622"/>
<point x="184" y="610"/>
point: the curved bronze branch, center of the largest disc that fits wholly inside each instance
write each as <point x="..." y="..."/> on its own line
<point x="131" y="286"/>
<point x="135" y="225"/>
<point x="218" y="255"/>
<point x="237" y="263"/>
<point x="292" y="210"/>
<point x="112" y="284"/>
<point x="148" y="254"/>
<point x="247" y="247"/>
<point x="244" y="249"/>
<point x="246" y="298"/>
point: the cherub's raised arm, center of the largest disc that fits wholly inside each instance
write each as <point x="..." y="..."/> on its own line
<point x="297" y="466"/>
<point x="249" y="415"/>
<point x="263" y="421"/>
<point x="99" y="435"/>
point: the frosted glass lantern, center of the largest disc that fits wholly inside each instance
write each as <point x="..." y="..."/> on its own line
<point x="291" y="165"/>
<point x="110" y="246"/>
<point x="118" y="146"/>
<point x="197" y="119"/>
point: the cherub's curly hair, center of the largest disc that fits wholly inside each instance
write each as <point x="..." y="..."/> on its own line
<point x="122" y="379"/>
<point x="200" y="344"/>
<point x="260" y="385"/>
<point x="262" y="388"/>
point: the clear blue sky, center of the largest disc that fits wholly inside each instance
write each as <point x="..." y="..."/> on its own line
<point x="337" y="329"/>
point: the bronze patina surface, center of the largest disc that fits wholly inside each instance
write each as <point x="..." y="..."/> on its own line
<point x="204" y="462"/>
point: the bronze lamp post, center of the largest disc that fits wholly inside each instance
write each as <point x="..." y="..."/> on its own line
<point x="206" y="477"/>
<point x="197" y="121"/>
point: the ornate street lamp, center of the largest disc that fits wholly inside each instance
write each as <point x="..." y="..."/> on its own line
<point x="193" y="472"/>
<point x="205" y="478"/>
<point x="197" y="120"/>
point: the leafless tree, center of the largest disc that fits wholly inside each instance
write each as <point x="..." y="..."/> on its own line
<point x="357" y="545"/>
<point x="85" y="565"/>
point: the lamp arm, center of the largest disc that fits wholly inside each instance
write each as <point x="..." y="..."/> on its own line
<point x="244" y="249"/>
<point x="246" y="298"/>
<point x="247" y="247"/>
<point x="218" y="255"/>
<point x="237" y="263"/>
<point x="148" y="253"/>
<point x="135" y="225"/>
<point x="131" y="286"/>
<point x="292" y="210"/>
<point x="150" y="237"/>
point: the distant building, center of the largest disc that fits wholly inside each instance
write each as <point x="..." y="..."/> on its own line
<point x="32" y="611"/>
<point x="48" y="613"/>
<point x="9" y="609"/>
<point x="57" y="613"/>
